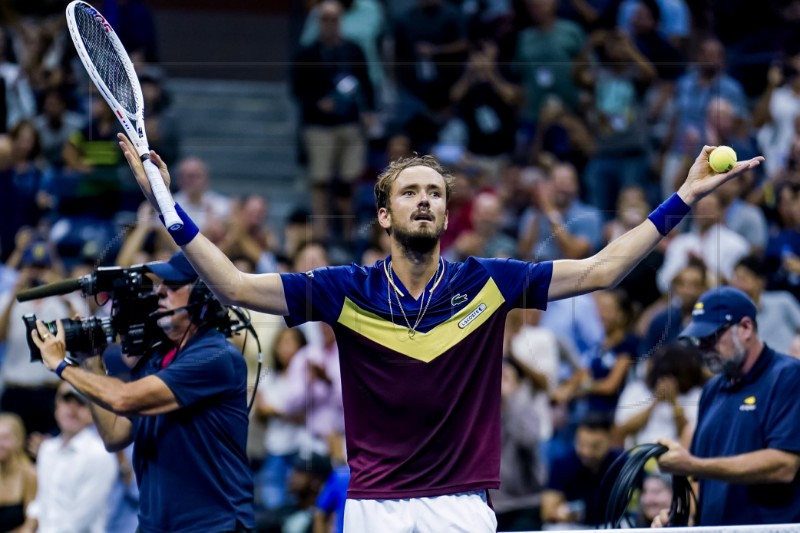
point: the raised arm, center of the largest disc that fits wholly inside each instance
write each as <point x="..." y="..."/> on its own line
<point x="260" y="292"/>
<point x="610" y="265"/>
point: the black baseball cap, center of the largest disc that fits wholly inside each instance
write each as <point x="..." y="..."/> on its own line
<point x="177" y="270"/>
<point x="717" y="308"/>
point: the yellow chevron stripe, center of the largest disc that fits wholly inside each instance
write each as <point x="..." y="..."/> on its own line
<point x="428" y="346"/>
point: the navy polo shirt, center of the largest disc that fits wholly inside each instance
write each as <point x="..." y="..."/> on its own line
<point x="191" y="463"/>
<point x="759" y="411"/>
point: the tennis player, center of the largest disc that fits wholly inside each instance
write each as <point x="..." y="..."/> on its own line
<point x="420" y="340"/>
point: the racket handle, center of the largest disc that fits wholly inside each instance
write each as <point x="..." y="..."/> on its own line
<point x="162" y="196"/>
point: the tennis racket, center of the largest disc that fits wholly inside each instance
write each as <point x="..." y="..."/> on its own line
<point x="111" y="70"/>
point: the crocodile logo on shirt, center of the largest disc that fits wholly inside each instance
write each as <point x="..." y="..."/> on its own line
<point x="458" y="299"/>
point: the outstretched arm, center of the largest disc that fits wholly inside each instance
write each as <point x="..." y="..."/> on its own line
<point x="260" y="292"/>
<point x="610" y="265"/>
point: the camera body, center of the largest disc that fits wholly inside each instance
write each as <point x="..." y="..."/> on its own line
<point x="133" y="306"/>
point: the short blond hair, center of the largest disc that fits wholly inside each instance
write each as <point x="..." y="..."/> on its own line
<point x="390" y="173"/>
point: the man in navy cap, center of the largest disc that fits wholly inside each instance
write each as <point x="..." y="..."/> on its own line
<point x="185" y="411"/>
<point x="746" y="447"/>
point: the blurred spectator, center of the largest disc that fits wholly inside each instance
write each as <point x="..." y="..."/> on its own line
<point x="329" y="517"/>
<point x="248" y="235"/>
<point x="19" y="102"/>
<point x="741" y="216"/>
<point x="558" y="225"/>
<point x="517" y="500"/>
<point x="195" y="195"/>
<point x="601" y="382"/>
<point x="430" y="49"/>
<point x="146" y="241"/>
<point x="17" y="474"/>
<point x="485" y="238"/>
<point x="545" y="55"/>
<point x="794" y="349"/>
<point x="332" y="86"/>
<point x="778" y="312"/>
<point x="363" y="22"/>
<point x="123" y="502"/>
<point x="56" y="125"/>
<point x="92" y="156"/>
<point x="656" y="495"/>
<point x="561" y="135"/>
<point x="687" y="286"/>
<point x="459" y="205"/>
<point x="487" y="97"/>
<point x="616" y="75"/>
<point x="30" y="388"/>
<point x="664" y="404"/>
<point x="134" y="24"/>
<point x="74" y="471"/>
<point x="535" y="352"/>
<point x="782" y="255"/>
<point x="631" y="210"/>
<point x="576" y="323"/>
<point x="694" y="91"/>
<point x="161" y="125"/>
<point x="282" y="438"/>
<point x="26" y="197"/>
<point x="307" y="479"/>
<point x="572" y="493"/>
<point x="642" y="21"/>
<point x="718" y="246"/>
<point x="776" y="112"/>
<point x="313" y="379"/>
<point x="673" y="18"/>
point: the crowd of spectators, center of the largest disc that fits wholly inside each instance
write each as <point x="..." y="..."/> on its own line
<point x="564" y="122"/>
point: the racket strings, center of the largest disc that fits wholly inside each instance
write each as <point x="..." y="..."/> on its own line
<point x="104" y="56"/>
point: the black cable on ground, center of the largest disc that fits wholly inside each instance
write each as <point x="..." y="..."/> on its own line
<point x="627" y="474"/>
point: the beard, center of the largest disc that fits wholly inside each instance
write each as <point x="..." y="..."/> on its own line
<point x="420" y="241"/>
<point x="732" y="366"/>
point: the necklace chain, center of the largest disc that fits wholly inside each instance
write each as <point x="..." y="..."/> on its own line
<point x="412" y="331"/>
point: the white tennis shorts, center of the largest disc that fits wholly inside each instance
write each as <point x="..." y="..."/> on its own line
<point x="465" y="512"/>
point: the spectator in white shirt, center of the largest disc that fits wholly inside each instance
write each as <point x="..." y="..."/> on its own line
<point x="74" y="471"/>
<point x="778" y="311"/>
<point x="718" y="246"/>
<point x="201" y="203"/>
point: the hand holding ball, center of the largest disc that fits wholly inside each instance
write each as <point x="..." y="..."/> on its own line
<point x="722" y="159"/>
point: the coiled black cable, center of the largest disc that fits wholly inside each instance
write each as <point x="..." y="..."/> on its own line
<point x="627" y="474"/>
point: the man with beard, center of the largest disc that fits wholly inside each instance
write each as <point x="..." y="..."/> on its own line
<point x="746" y="448"/>
<point x="421" y="339"/>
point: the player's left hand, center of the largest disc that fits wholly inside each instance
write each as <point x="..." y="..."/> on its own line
<point x="702" y="180"/>
<point x="53" y="347"/>
<point x="676" y="460"/>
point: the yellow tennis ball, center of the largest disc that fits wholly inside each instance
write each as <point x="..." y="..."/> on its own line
<point x="722" y="159"/>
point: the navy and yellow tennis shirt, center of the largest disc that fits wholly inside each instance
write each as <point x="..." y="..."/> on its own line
<point x="422" y="413"/>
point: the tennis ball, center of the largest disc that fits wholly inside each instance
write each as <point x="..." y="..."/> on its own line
<point x="722" y="159"/>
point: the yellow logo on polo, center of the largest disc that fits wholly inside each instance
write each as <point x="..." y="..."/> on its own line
<point x="748" y="404"/>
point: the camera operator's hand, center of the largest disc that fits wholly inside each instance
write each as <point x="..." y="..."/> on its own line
<point x="53" y="347"/>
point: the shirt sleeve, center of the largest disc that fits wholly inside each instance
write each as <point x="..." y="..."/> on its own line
<point x="782" y="423"/>
<point x="205" y="370"/>
<point x="316" y="295"/>
<point x="326" y="501"/>
<point x="522" y="284"/>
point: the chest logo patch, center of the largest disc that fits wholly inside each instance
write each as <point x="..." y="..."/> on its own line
<point x="748" y="404"/>
<point x="458" y="299"/>
<point x="472" y="316"/>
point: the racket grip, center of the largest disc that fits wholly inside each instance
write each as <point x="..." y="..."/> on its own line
<point x="162" y="196"/>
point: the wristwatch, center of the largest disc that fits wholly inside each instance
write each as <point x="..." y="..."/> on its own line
<point x="67" y="361"/>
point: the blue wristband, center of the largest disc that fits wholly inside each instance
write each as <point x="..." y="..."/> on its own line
<point x="62" y="365"/>
<point x="669" y="214"/>
<point x="189" y="230"/>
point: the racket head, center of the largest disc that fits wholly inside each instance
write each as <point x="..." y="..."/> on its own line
<point x="109" y="68"/>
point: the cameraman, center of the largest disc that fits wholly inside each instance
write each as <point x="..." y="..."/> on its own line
<point x="185" y="412"/>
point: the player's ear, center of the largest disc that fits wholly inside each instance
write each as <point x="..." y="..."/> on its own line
<point x="384" y="218"/>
